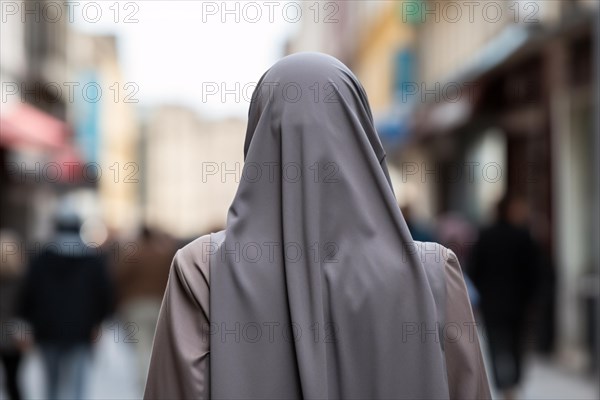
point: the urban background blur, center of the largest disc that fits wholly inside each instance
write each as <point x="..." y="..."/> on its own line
<point x="122" y="125"/>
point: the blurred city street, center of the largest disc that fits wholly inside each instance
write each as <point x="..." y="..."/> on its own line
<point x="112" y="375"/>
<point x="114" y="363"/>
<point x="122" y="138"/>
<point x="550" y="381"/>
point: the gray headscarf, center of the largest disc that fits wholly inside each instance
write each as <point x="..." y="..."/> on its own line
<point x="317" y="283"/>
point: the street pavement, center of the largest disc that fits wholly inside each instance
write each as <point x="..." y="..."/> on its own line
<point x="113" y="376"/>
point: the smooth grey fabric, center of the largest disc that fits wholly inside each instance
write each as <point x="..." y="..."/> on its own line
<point x="180" y="358"/>
<point x="317" y="289"/>
<point x="318" y="245"/>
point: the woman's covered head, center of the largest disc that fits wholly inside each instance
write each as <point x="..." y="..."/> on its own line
<point x="312" y="94"/>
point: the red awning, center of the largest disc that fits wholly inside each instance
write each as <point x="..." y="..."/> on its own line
<point x="22" y="125"/>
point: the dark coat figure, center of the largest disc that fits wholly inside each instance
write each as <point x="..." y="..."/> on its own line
<point x="67" y="293"/>
<point x="12" y="338"/>
<point x="504" y="266"/>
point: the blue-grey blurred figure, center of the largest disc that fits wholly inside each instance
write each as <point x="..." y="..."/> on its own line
<point x="67" y="293"/>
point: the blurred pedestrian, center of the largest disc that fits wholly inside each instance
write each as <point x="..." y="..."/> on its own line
<point x="142" y="273"/>
<point x="315" y="289"/>
<point x="504" y="266"/>
<point x="13" y="337"/>
<point x="67" y="294"/>
<point x="458" y="234"/>
<point x="417" y="227"/>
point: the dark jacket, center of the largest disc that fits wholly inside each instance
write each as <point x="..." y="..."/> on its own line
<point x="66" y="296"/>
<point x="504" y="266"/>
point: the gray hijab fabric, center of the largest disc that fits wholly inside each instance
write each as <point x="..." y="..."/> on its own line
<point x="317" y="290"/>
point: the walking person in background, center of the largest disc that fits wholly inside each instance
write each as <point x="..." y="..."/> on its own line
<point x="13" y="338"/>
<point x="418" y="229"/>
<point x="456" y="233"/>
<point x="67" y="293"/>
<point x="141" y="276"/>
<point x="504" y="266"/>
